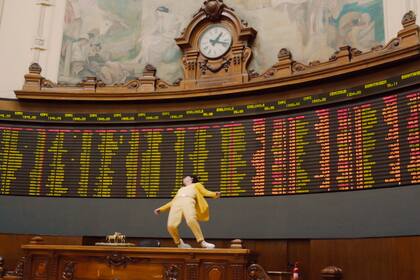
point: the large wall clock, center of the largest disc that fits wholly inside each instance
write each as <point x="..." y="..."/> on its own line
<point x="216" y="47"/>
<point x="215" y="41"/>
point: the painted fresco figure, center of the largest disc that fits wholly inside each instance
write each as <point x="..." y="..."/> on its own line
<point x="157" y="44"/>
<point x="130" y="34"/>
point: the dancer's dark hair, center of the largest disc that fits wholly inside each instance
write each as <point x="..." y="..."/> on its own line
<point x="195" y="178"/>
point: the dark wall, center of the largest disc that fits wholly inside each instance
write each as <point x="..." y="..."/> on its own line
<point x="367" y="213"/>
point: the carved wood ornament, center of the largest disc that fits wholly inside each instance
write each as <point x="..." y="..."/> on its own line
<point x="256" y="272"/>
<point x="20" y="268"/>
<point x="118" y="260"/>
<point x="68" y="272"/>
<point x="172" y="272"/>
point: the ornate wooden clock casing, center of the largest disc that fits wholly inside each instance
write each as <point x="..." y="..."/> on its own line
<point x="216" y="47"/>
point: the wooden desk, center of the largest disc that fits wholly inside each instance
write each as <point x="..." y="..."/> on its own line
<point x="102" y="262"/>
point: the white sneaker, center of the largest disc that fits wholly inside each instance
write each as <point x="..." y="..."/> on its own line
<point x="207" y="245"/>
<point x="183" y="245"/>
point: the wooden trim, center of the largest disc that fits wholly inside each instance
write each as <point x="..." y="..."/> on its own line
<point x="135" y="250"/>
<point x="311" y="89"/>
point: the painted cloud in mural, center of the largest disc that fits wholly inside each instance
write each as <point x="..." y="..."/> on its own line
<point x="114" y="40"/>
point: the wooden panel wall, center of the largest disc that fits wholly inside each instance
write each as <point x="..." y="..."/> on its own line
<point x="10" y="246"/>
<point x="360" y="259"/>
<point x="368" y="259"/>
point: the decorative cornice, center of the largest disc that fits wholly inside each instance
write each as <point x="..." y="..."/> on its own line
<point x="284" y="54"/>
<point x="35" y="68"/>
<point x="213" y="9"/>
<point x="408" y="19"/>
<point x="284" y="72"/>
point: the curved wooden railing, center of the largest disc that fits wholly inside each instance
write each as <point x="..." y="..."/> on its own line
<point x="255" y="272"/>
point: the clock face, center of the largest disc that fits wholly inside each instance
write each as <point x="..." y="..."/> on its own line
<point x="215" y="41"/>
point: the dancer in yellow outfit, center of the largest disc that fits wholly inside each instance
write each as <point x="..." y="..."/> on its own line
<point x="189" y="203"/>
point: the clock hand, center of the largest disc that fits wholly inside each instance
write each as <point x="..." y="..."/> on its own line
<point x="215" y="41"/>
<point x="225" y="44"/>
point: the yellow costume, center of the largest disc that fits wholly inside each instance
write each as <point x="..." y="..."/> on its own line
<point x="188" y="202"/>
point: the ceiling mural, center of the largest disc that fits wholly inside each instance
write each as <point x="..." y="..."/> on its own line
<point x="114" y="40"/>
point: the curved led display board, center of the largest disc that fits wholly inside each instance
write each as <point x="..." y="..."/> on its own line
<point x="366" y="144"/>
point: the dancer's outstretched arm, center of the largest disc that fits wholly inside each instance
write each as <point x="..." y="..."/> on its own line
<point x="163" y="208"/>
<point x="206" y="192"/>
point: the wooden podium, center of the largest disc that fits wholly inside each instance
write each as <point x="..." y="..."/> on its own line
<point x="134" y="263"/>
